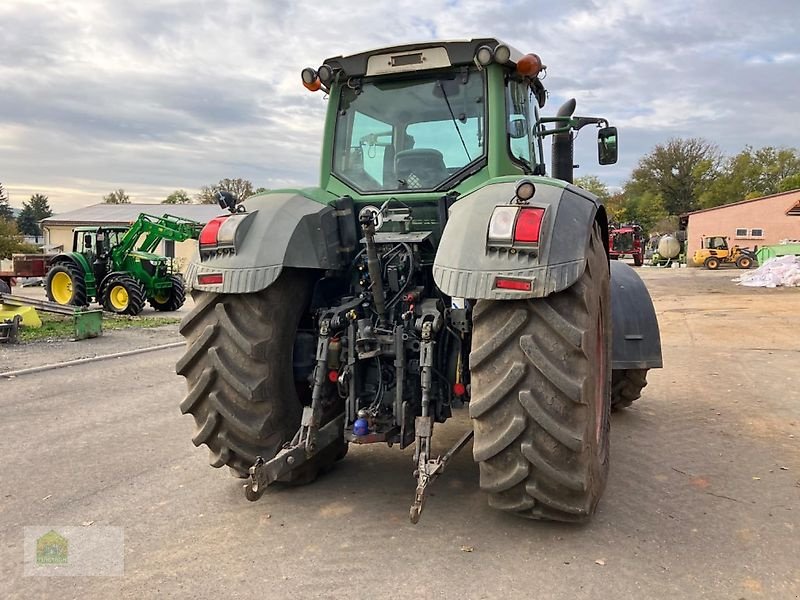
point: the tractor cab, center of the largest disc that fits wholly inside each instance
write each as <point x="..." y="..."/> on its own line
<point x="717" y="243"/>
<point x="413" y="123"/>
<point x="96" y="241"/>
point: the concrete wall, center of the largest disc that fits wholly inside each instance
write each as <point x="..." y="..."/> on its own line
<point x="62" y="235"/>
<point x="767" y="214"/>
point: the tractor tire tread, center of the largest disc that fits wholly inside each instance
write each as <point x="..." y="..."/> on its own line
<point x="136" y="294"/>
<point x="79" y="295"/>
<point x="238" y="368"/>
<point x="627" y="386"/>
<point x="531" y="407"/>
<point x="177" y="296"/>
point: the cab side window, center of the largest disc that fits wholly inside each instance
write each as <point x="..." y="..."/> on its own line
<point x="519" y="122"/>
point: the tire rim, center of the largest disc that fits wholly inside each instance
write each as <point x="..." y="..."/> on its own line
<point x="119" y="297"/>
<point x="601" y="398"/>
<point x="61" y="287"/>
<point x="161" y="298"/>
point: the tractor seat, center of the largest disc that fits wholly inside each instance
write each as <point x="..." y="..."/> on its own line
<point x="420" y="168"/>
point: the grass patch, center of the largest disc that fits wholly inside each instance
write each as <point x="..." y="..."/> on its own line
<point x="60" y="327"/>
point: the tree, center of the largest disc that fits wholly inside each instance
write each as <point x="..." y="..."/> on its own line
<point x="5" y="209"/>
<point x="33" y="211"/>
<point x="616" y="209"/>
<point x="241" y="188"/>
<point x="789" y="183"/>
<point x="646" y="210"/>
<point x="117" y="197"/>
<point x="752" y="173"/>
<point x="177" y="197"/>
<point x="677" y="172"/>
<point x="593" y="184"/>
<point x="11" y="240"/>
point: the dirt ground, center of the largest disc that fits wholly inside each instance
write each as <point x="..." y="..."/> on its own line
<point x="703" y="498"/>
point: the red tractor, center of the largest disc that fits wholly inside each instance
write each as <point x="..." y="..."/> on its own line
<point x="626" y="240"/>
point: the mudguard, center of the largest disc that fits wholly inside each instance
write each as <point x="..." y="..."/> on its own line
<point x="78" y="260"/>
<point x="285" y="229"/>
<point x="636" y="342"/>
<point x="466" y="268"/>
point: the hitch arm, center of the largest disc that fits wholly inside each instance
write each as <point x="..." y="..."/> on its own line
<point x="263" y="473"/>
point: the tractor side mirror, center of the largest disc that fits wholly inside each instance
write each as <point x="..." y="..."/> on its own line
<point x="607" y="146"/>
<point x="516" y="128"/>
<point x="226" y="200"/>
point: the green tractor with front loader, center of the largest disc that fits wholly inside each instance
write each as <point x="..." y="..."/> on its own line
<point x="436" y="267"/>
<point x="116" y="266"/>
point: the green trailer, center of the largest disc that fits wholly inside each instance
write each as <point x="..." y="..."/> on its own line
<point x="764" y="253"/>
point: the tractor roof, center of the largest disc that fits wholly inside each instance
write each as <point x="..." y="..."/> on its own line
<point x="414" y="57"/>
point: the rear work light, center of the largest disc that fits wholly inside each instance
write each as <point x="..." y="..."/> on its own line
<point x="514" y="225"/>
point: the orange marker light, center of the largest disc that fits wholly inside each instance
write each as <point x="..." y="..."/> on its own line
<point x="313" y="86"/>
<point x="310" y="79"/>
<point x="529" y="65"/>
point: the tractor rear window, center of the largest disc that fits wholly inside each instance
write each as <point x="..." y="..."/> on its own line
<point x="411" y="134"/>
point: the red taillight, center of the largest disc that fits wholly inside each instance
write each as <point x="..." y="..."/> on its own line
<point x="208" y="236"/>
<point x="459" y="389"/>
<point x="519" y="285"/>
<point x="529" y="222"/>
<point x="210" y="279"/>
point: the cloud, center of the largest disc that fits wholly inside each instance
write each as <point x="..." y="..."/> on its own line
<point x="163" y="94"/>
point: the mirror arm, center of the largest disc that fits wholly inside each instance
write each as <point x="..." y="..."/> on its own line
<point x="568" y="124"/>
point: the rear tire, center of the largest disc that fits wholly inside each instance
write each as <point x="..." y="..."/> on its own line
<point x="238" y="368"/>
<point x="175" y="299"/>
<point x="541" y="379"/>
<point x="712" y="264"/>
<point x="627" y="386"/>
<point x="65" y="285"/>
<point x="123" y="295"/>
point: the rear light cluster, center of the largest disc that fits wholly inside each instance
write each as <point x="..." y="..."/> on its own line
<point x="221" y="233"/>
<point x="515" y="225"/>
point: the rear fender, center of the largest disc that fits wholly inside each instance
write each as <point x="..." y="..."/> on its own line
<point x="636" y="341"/>
<point x="78" y="261"/>
<point x="465" y="267"/>
<point x="284" y="230"/>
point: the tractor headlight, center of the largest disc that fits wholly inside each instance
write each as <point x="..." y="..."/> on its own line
<point x="502" y="54"/>
<point x="484" y="56"/>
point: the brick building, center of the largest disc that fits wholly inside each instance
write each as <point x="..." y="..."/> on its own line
<point x="752" y="223"/>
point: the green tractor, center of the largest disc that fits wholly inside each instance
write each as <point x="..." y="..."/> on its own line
<point x="435" y="267"/>
<point x="116" y="266"/>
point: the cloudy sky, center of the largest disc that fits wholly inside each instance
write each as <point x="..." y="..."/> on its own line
<point x="155" y="95"/>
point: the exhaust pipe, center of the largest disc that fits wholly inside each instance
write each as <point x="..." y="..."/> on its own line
<point x="562" y="155"/>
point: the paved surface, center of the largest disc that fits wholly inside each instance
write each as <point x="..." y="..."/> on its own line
<point x="702" y="499"/>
